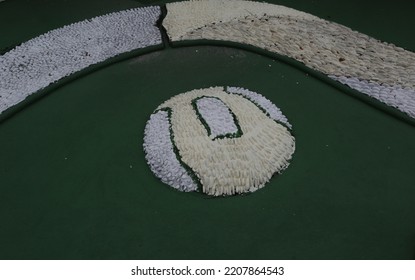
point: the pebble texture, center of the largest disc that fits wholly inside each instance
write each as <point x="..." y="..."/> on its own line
<point x="325" y="46"/>
<point x="217" y="116"/>
<point x="229" y="166"/>
<point x="185" y="17"/>
<point x="395" y="96"/>
<point x="56" y="54"/>
<point x="261" y="101"/>
<point x="160" y="154"/>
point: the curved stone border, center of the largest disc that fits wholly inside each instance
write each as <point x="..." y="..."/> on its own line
<point x="223" y="166"/>
<point x="330" y="48"/>
<point x="56" y="54"/>
<point x="379" y="70"/>
<point x="395" y="96"/>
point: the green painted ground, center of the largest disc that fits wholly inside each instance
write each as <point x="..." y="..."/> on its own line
<point x="74" y="183"/>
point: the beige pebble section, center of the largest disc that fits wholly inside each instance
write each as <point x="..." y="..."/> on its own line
<point x="184" y="17"/>
<point x="328" y="47"/>
<point x="230" y="166"/>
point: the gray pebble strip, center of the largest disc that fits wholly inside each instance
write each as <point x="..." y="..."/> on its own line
<point x="401" y="98"/>
<point x="217" y="116"/>
<point x="56" y="54"/>
<point x="160" y="156"/>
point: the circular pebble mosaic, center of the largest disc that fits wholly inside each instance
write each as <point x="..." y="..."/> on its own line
<point x="218" y="141"/>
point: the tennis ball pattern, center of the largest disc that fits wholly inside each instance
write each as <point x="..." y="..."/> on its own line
<point x="247" y="147"/>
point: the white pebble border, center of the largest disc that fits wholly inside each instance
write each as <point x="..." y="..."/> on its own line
<point x="227" y="166"/>
<point x="56" y="54"/>
<point x="325" y="46"/>
<point x="273" y="111"/>
<point x="395" y="96"/>
<point x="217" y="116"/>
<point x="160" y="154"/>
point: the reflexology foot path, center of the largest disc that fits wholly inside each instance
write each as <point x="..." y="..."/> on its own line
<point x="62" y="52"/>
<point x="380" y="70"/>
<point x="219" y="141"/>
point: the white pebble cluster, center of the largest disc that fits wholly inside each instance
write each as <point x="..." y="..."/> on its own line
<point x="327" y="47"/>
<point x="273" y="111"/>
<point x="401" y="98"/>
<point x="61" y="52"/>
<point x="160" y="154"/>
<point x="217" y="116"/>
<point x="227" y="166"/>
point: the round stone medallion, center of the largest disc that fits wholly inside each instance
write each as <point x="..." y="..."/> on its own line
<point x="218" y="140"/>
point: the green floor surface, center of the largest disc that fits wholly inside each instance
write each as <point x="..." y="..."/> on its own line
<point x="74" y="183"/>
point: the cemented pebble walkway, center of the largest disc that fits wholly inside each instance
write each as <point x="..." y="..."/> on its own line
<point x="378" y="69"/>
